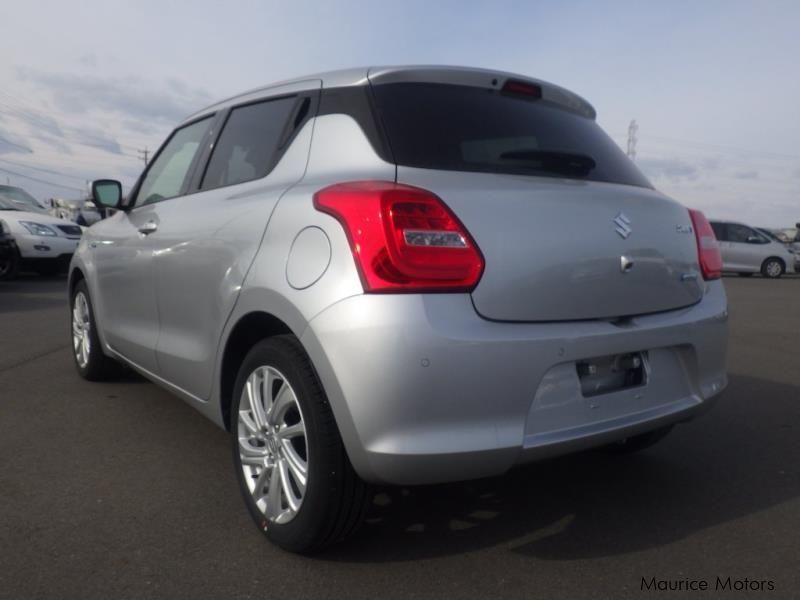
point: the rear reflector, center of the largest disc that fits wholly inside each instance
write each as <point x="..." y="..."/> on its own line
<point x="522" y="88"/>
<point x="707" y="247"/>
<point x="403" y="238"/>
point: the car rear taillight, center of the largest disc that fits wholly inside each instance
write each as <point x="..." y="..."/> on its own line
<point x="707" y="247"/>
<point x="403" y="238"/>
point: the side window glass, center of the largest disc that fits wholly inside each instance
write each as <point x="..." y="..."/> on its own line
<point x="739" y="233"/>
<point x="248" y="143"/>
<point x="169" y="171"/>
<point x="719" y="231"/>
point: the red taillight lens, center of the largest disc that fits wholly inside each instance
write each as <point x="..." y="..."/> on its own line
<point x="404" y="239"/>
<point x="707" y="246"/>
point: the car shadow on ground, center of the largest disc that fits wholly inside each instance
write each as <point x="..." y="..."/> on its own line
<point x="726" y="464"/>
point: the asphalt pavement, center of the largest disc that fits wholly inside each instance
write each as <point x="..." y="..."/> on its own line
<point x="120" y="490"/>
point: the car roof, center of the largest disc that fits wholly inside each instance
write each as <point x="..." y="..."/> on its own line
<point x="407" y="73"/>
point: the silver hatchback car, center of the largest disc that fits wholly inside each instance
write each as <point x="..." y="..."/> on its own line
<point x="401" y="276"/>
<point x="746" y="250"/>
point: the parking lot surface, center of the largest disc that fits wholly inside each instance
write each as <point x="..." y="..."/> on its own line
<point x="120" y="490"/>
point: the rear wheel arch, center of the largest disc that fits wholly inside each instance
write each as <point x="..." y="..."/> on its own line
<point x="75" y="275"/>
<point x="248" y="331"/>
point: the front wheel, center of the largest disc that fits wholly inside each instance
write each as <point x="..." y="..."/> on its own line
<point x="90" y="361"/>
<point x="9" y="265"/>
<point x="292" y="468"/>
<point x="773" y="268"/>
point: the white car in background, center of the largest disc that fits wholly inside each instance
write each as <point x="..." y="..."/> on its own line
<point x="82" y="212"/>
<point x="746" y="250"/>
<point x="45" y="243"/>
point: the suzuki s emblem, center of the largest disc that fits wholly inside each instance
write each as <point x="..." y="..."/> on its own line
<point x="623" y="224"/>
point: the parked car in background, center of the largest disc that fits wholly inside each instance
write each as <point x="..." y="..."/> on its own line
<point x="746" y="250"/>
<point x="82" y="212"/>
<point x="789" y="234"/>
<point x="45" y="244"/>
<point x="9" y="258"/>
<point x="792" y="246"/>
<point x="390" y="301"/>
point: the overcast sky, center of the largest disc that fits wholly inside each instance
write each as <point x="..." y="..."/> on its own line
<point x="714" y="86"/>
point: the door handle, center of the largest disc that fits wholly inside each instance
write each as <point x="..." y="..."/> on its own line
<point x="148" y="228"/>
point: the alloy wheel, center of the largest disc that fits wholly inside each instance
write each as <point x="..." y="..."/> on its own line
<point x="81" y="329"/>
<point x="774" y="268"/>
<point x="273" y="447"/>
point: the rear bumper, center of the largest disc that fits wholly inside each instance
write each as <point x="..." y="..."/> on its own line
<point x="426" y="391"/>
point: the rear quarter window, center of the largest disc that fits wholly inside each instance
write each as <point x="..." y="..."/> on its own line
<point x="249" y="141"/>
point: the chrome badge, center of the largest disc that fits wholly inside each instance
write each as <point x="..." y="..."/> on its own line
<point x="625" y="264"/>
<point x="623" y="224"/>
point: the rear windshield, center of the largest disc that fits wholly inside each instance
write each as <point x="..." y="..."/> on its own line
<point x="461" y="128"/>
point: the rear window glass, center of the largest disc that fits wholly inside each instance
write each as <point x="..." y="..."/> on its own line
<point x="461" y="128"/>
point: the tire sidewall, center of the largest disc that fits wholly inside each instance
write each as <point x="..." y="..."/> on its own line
<point x="765" y="268"/>
<point x="300" y="532"/>
<point x="95" y="351"/>
<point x="12" y="265"/>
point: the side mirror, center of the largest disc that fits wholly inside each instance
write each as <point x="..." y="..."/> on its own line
<point x="107" y="193"/>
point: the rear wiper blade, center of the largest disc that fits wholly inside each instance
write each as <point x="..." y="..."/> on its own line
<point x="562" y="162"/>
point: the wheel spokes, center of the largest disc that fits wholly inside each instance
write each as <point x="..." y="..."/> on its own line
<point x="297" y="466"/>
<point x="289" y="431"/>
<point x="272" y="446"/>
<point x="81" y="324"/>
<point x="250" y="454"/>
<point x="273" y="508"/>
<point x="283" y="400"/>
<point x="254" y="389"/>
<point x="286" y="486"/>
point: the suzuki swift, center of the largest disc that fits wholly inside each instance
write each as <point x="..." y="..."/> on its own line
<point x="401" y="276"/>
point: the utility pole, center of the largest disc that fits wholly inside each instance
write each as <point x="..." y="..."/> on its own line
<point x="632" y="129"/>
<point x="145" y="154"/>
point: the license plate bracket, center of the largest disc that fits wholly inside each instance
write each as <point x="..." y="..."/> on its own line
<point x="612" y="373"/>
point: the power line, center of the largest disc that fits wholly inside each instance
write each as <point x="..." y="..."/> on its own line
<point x="7" y="141"/>
<point x="47" y="123"/>
<point x="145" y="154"/>
<point x="44" y="181"/>
<point x="43" y="170"/>
<point x="750" y="151"/>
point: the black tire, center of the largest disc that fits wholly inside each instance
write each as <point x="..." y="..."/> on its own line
<point x="336" y="500"/>
<point x="745" y="274"/>
<point x="773" y="268"/>
<point x="99" y="367"/>
<point x="9" y="266"/>
<point x="639" y="442"/>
